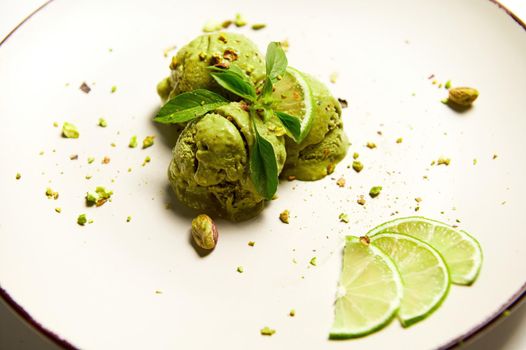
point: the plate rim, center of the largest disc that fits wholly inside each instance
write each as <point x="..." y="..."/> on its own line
<point x="512" y="304"/>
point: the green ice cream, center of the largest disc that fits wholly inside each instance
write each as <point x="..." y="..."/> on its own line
<point x="210" y="166"/>
<point x="189" y="68"/>
<point x="325" y="145"/>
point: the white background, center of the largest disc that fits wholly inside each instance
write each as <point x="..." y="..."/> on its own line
<point x="17" y="335"/>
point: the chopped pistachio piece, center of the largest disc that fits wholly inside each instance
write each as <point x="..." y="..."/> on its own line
<point x="87" y="177"/>
<point x="128" y="219"/>
<point x="50" y="194"/>
<point x="148" y="141"/>
<point x="258" y="26"/>
<point x="240" y="20"/>
<point x="267" y="331"/>
<point x="103" y="123"/>
<point x="98" y="197"/>
<point x="146" y="160"/>
<point x="55" y="124"/>
<point x="399" y="140"/>
<point x="251" y="243"/>
<point x="443" y="161"/>
<point x="357" y="166"/>
<point x="340" y="182"/>
<point x="355" y="155"/>
<point x="82" y="219"/>
<point x="91" y="198"/>
<point x="240" y="269"/>
<point x="344" y="218"/>
<point x="313" y="261"/>
<point x="361" y="200"/>
<point x="133" y="142"/>
<point x="58" y="210"/>
<point x="284" y="216"/>
<point x="18" y="176"/>
<point x="91" y="160"/>
<point x="375" y="191"/>
<point x="333" y="77"/>
<point x="371" y="145"/>
<point x="113" y="89"/>
<point x="70" y="131"/>
<point x="447" y="85"/>
<point x="292" y="313"/>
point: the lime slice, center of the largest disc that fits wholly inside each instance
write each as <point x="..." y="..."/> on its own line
<point x="424" y="275"/>
<point x="461" y="251"/>
<point x="292" y="95"/>
<point x="369" y="292"/>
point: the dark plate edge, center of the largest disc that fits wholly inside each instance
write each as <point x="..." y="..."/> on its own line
<point x="513" y="303"/>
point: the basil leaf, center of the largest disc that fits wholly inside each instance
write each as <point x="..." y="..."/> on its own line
<point x="263" y="166"/>
<point x="188" y="106"/>
<point x="233" y="82"/>
<point x="292" y="124"/>
<point x="276" y="61"/>
<point x="267" y="90"/>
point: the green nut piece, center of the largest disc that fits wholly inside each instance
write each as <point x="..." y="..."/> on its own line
<point x="204" y="231"/>
<point x="463" y="96"/>
<point x="70" y="131"/>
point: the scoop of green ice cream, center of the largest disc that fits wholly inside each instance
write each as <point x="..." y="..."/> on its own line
<point x="325" y="145"/>
<point x="210" y="166"/>
<point x="190" y="67"/>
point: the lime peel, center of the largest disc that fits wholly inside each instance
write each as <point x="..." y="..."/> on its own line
<point x="369" y="293"/>
<point x="461" y="251"/>
<point x="423" y="271"/>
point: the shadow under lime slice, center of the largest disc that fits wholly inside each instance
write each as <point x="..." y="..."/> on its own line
<point x="461" y="252"/>
<point x="423" y="271"/>
<point x="369" y="293"/>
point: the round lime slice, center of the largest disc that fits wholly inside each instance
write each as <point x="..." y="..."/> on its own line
<point x="424" y="275"/>
<point x="369" y="292"/>
<point x="460" y="250"/>
<point x="292" y="95"/>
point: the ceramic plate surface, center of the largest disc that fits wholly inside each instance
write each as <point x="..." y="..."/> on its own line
<point x="141" y="285"/>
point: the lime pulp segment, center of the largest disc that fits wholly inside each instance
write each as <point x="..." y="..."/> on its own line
<point x="423" y="271"/>
<point x="369" y="293"/>
<point x="292" y="95"/>
<point x="461" y="252"/>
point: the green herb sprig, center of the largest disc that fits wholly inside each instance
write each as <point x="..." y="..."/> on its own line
<point x="191" y="105"/>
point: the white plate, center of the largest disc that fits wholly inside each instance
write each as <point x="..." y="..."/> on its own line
<point x="96" y="287"/>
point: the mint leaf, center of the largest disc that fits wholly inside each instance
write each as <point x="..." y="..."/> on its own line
<point x="292" y="124"/>
<point x="232" y="81"/>
<point x="276" y="61"/>
<point x="188" y="106"/>
<point x="263" y="166"/>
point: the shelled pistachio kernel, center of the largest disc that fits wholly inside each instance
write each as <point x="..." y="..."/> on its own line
<point x="204" y="231"/>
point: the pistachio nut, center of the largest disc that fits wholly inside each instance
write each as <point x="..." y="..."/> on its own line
<point x="463" y="96"/>
<point x="204" y="231"/>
